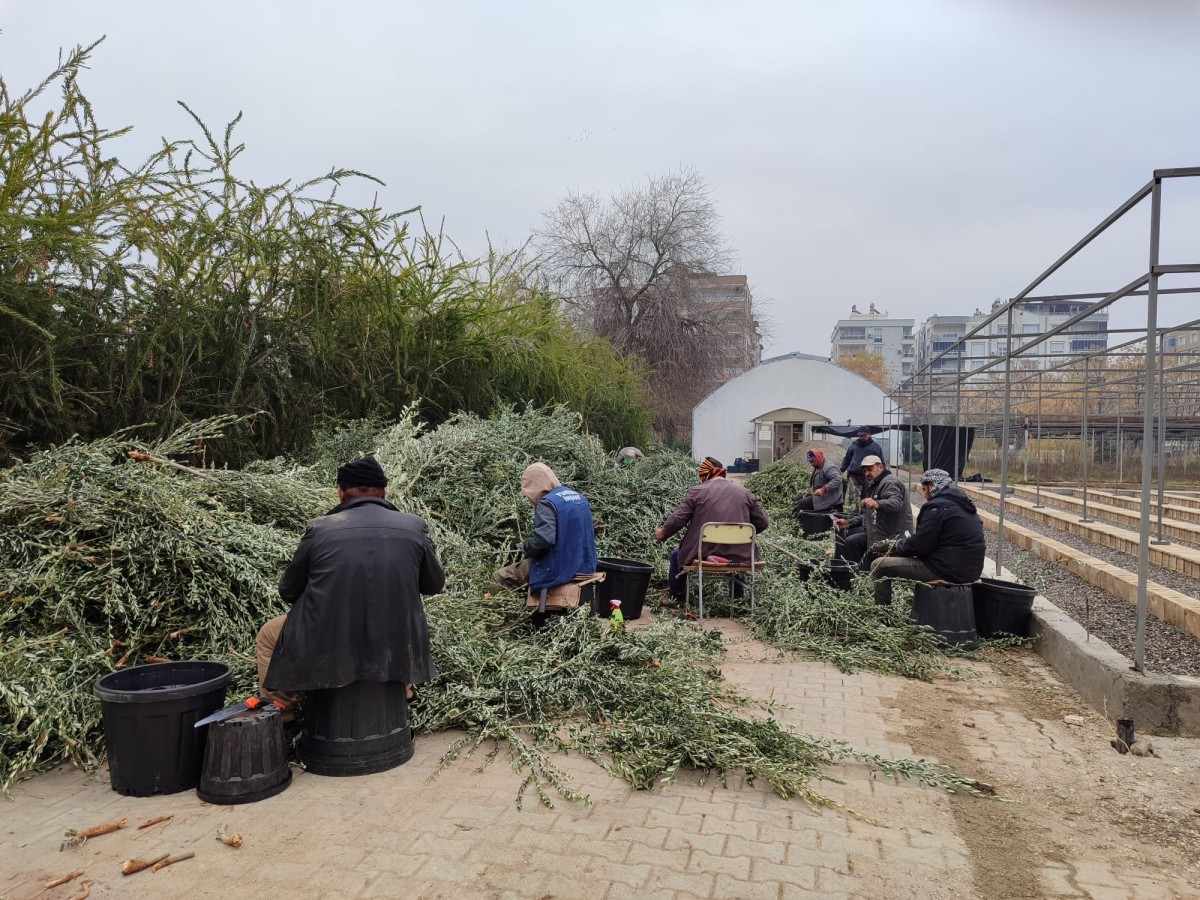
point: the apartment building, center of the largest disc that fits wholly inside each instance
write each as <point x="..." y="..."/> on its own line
<point x="730" y="307"/>
<point x="939" y="334"/>
<point x="876" y="332"/>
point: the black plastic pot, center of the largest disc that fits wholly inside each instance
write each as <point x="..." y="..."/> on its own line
<point x="840" y="574"/>
<point x="626" y="580"/>
<point x="357" y="729"/>
<point x="805" y="570"/>
<point x="150" y="713"/>
<point x="815" y="523"/>
<point x="948" y="611"/>
<point x="246" y="758"/>
<point x="1002" y="607"/>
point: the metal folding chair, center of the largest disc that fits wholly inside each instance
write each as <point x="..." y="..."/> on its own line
<point x="727" y="533"/>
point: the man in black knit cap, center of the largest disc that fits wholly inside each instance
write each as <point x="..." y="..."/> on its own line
<point x="355" y="586"/>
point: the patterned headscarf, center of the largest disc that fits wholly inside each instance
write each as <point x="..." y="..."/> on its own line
<point x="711" y="468"/>
<point x="817" y="458"/>
<point x="937" y="479"/>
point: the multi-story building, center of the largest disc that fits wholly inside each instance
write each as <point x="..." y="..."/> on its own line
<point x="876" y="332"/>
<point x="1182" y="341"/>
<point x="729" y="306"/>
<point x="939" y="334"/>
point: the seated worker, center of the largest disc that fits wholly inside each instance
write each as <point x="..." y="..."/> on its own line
<point x="715" y="499"/>
<point x="886" y="514"/>
<point x="355" y="586"/>
<point x="948" y="544"/>
<point x="563" y="543"/>
<point x="824" y="487"/>
<point x="860" y="448"/>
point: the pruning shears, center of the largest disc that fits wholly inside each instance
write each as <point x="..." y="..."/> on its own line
<point x="229" y="712"/>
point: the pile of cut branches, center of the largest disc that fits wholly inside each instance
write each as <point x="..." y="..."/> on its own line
<point x="115" y="554"/>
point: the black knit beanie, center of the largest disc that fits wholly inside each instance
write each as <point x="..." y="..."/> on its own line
<point x="365" y="472"/>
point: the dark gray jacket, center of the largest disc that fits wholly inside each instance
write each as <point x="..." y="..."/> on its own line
<point x="894" y="515"/>
<point x="355" y="585"/>
<point x="856" y="453"/>
<point x="830" y="478"/>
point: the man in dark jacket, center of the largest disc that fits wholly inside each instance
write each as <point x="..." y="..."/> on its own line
<point x="355" y="586"/>
<point x="563" y="543"/>
<point x="948" y="544"/>
<point x="715" y="499"/>
<point x="824" y="487"/>
<point x="886" y="514"/>
<point x="860" y="448"/>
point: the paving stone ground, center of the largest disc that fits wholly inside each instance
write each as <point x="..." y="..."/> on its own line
<point x="401" y="834"/>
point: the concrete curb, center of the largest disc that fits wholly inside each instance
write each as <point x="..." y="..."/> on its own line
<point x="1157" y="704"/>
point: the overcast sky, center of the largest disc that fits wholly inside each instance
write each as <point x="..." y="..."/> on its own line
<point x="925" y="156"/>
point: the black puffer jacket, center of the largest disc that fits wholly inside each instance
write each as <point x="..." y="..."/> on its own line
<point x="949" y="537"/>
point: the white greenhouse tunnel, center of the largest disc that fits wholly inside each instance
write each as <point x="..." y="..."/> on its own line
<point x="769" y="409"/>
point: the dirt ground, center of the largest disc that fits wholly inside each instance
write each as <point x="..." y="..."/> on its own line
<point x="1072" y="798"/>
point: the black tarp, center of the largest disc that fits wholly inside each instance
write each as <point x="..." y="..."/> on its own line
<point x="938" y="442"/>
<point x="847" y="431"/>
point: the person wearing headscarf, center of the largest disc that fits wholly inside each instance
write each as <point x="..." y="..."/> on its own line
<point x="563" y="543"/>
<point x="948" y="544"/>
<point x="355" y="586"/>
<point x="715" y="499"/>
<point x="824" y="487"/>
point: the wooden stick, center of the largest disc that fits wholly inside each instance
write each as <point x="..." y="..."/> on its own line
<point x="154" y="821"/>
<point x="130" y="866"/>
<point x="85" y="892"/>
<point x="70" y="876"/>
<point x="178" y="857"/>
<point x="78" y="837"/>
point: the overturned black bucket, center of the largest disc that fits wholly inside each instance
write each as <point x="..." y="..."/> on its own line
<point x="150" y="713"/>
<point x="948" y="611"/>
<point x="358" y="729"/>
<point x="815" y="523"/>
<point x="1002" y="607"/>
<point x="246" y="759"/>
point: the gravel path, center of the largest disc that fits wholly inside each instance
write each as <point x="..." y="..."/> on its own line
<point x="1100" y="517"/>
<point x="1168" y="650"/>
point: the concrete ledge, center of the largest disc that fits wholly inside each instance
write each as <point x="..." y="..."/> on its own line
<point x="1177" y="558"/>
<point x="1131" y="502"/>
<point x="1157" y="704"/>
<point x="1103" y="506"/>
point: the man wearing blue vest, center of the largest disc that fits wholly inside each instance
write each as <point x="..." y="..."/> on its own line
<point x="563" y="543"/>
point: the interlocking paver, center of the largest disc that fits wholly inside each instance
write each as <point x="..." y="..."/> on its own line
<point x="461" y="835"/>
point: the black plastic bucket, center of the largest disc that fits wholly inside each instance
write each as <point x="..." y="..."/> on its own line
<point x="246" y="758"/>
<point x="948" y="611"/>
<point x="626" y="580"/>
<point x="840" y="574"/>
<point x="815" y="523"/>
<point x="1002" y="607"/>
<point x="150" y="713"/>
<point x="357" y="729"/>
<point x="805" y="569"/>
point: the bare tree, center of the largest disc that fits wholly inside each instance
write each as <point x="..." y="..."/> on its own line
<point x="641" y="268"/>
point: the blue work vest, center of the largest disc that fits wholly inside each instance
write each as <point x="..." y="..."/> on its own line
<point x="574" y="550"/>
